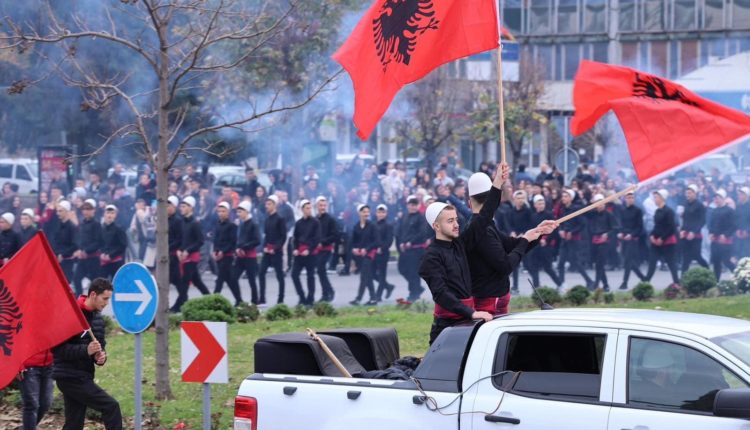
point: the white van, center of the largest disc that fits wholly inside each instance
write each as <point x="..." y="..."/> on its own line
<point x="23" y="172"/>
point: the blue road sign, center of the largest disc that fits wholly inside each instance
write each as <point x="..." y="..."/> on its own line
<point x="135" y="297"/>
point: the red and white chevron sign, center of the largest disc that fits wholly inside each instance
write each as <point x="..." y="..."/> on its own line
<point x="204" y="352"/>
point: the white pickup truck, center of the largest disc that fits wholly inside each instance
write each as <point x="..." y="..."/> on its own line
<point x="586" y="369"/>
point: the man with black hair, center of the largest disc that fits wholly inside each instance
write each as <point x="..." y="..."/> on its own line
<point x="114" y="244"/>
<point x="412" y="239"/>
<point x="189" y="253"/>
<point x="571" y="234"/>
<point x="693" y="220"/>
<point x="89" y="246"/>
<point x="305" y="240"/>
<point x="384" y="232"/>
<point x="630" y="235"/>
<point x="174" y="220"/>
<point x="329" y="234"/>
<point x="247" y="255"/>
<point x="721" y="232"/>
<point x="74" y="363"/>
<point x="225" y="244"/>
<point x="603" y="227"/>
<point x="663" y="236"/>
<point x="273" y="249"/>
<point x="541" y="257"/>
<point x="64" y="239"/>
<point x="364" y="247"/>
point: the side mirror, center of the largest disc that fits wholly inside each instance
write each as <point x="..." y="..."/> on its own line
<point x="732" y="403"/>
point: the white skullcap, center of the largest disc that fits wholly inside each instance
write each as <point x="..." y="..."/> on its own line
<point x="110" y="208"/>
<point x="225" y="205"/>
<point x="411" y="198"/>
<point x="28" y="212"/>
<point x="303" y="202"/>
<point x="64" y="204"/>
<point x="745" y="190"/>
<point x="245" y="206"/>
<point x="597" y="197"/>
<point x="433" y="211"/>
<point x="91" y="202"/>
<point x="519" y="193"/>
<point x="9" y="218"/>
<point x="721" y="193"/>
<point x="663" y="193"/>
<point x="538" y="197"/>
<point x="320" y="199"/>
<point x="189" y="200"/>
<point x="570" y="192"/>
<point x="693" y="187"/>
<point x="382" y="207"/>
<point x="427" y="198"/>
<point x="273" y="198"/>
<point x="479" y="183"/>
<point x="360" y="207"/>
<point x="173" y="200"/>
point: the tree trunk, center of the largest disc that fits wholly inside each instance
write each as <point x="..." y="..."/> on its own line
<point x="163" y="389"/>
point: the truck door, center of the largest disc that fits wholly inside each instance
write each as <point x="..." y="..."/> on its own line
<point x="665" y="382"/>
<point x="543" y="377"/>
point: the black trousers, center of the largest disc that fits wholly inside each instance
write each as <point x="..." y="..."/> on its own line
<point x="248" y="266"/>
<point x="275" y="261"/>
<point x="108" y="270"/>
<point x="381" y="271"/>
<point x="88" y="268"/>
<point x="68" y="267"/>
<point x="189" y="274"/>
<point x="308" y="263"/>
<point x="721" y="255"/>
<point x="691" y="251"/>
<point x="539" y="259"/>
<point x="743" y="247"/>
<point x="408" y="266"/>
<point x="224" y="269"/>
<point x="601" y="256"/>
<point x="631" y="257"/>
<point x="365" y="265"/>
<point x="325" y="283"/>
<point x="665" y="253"/>
<point x="82" y="393"/>
<point x="174" y="271"/>
<point x="570" y="251"/>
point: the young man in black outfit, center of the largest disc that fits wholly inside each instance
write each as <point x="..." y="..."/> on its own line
<point x="541" y="257"/>
<point x="75" y="360"/>
<point x="64" y="239"/>
<point x="89" y="246"/>
<point x="412" y="239"/>
<point x="114" y="244"/>
<point x="225" y="243"/>
<point x="273" y="249"/>
<point x="364" y="247"/>
<point x="691" y="238"/>
<point x="663" y="237"/>
<point x="247" y="255"/>
<point x="384" y="231"/>
<point x="571" y="234"/>
<point x="189" y="253"/>
<point x="603" y="227"/>
<point x="329" y="235"/>
<point x="631" y="231"/>
<point x="10" y="242"/>
<point x="305" y="241"/>
<point x="28" y="229"/>
<point x="721" y="232"/>
<point x="174" y="221"/>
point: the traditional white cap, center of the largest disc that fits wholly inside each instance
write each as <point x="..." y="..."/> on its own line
<point x="744" y="190"/>
<point x="189" y="200"/>
<point x="597" y="197"/>
<point x="90" y="202"/>
<point x="273" y="198"/>
<point x="427" y="198"/>
<point x="662" y="192"/>
<point x="173" y="200"/>
<point x="413" y="198"/>
<point x="225" y="205"/>
<point x="570" y="192"/>
<point x="479" y="183"/>
<point x="28" y="212"/>
<point x="361" y="206"/>
<point x="382" y="207"/>
<point x="538" y="197"/>
<point x="519" y="193"/>
<point x="693" y="187"/>
<point x="303" y="202"/>
<point x="721" y="193"/>
<point x="64" y="204"/>
<point x="110" y="208"/>
<point x="9" y="218"/>
<point x="245" y="206"/>
<point x="320" y="199"/>
<point x="433" y="211"/>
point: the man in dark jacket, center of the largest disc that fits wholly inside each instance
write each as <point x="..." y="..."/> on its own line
<point x="663" y="236"/>
<point x="273" y="249"/>
<point x="225" y="244"/>
<point x="603" y="227"/>
<point x="114" y="244"/>
<point x="384" y="232"/>
<point x="174" y="221"/>
<point x="89" y="246"/>
<point x="305" y="241"/>
<point x="571" y="233"/>
<point x="74" y="363"/>
<point x="189" y="253"/>
<point x="693" y="220"/>
<point x="721" y="232"/>
<point x="329" y="235"/>
<point x="247" y="255"/>
<point x="518" y="221"/>
<point x="631" y="231"/>
<point x="64" y="239"/>
<point x="743" y="222"/>
<point x="364" y="247"/>
<point x="412" y="239"/>
<point x="28" y="229"/>
<point x="10" y="242"/>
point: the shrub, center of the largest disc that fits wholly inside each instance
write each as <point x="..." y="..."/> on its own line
<point x="742" y="275"/>
<point x="609" y="298"/>
<point x="324" y="309"/>
<point x="214" y="307"/>
<point x="643" y="292"/>
<point x="247" y="312"/>
<point x="673" y="292"/>
<point x="278" y="312"/>
<point x="697" y="281"/>
<point x="549" y="295"/>
<point x="577" y="295"/>
<point x="174" y="321"/>
<point x="728" y="288"/>
<point x="300" y="311"/>
<point x="598" y="295"/>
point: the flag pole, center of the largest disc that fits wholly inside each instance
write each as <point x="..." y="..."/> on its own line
<point x="501" y="110"/>
<point x="597" y="204"/>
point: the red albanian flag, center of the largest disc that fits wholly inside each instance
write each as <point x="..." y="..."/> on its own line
<point x="665" y="124"/>
<point x="37" y="308"/>
<point x="398" y="42"/>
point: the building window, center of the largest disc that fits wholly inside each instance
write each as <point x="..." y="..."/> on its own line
<point x="713" y="14"/>
<point x="688" y="56"/>
<point x="595" y="16"/>
<point x="545" y="59"/>
<point x="512" y="15"/>
<point x="741" y="14"/>
<point x="659" y="58"/>
<point x="572" y="53"/>
<point x="600" y="52"/>
<point x="630" y="54"/>
<point x="539" y="19"/>
<point x="653" y="15"/>
<point x="567" y="16"/>
<point x="674" y="61"/>
<point x="627" y="15"/>
<point x="685" y="14"/>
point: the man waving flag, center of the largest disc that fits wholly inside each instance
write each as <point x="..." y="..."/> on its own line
<point x="665" y="124"/>
<point x="398" y="42"/>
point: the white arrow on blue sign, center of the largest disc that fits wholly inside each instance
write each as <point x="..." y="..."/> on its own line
<point x="135" y="297"/>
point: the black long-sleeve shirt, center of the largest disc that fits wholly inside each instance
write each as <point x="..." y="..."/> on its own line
<point x="329" y="231"/>
<point x="26" y="234"/>
<point x="518" y="220"/>
<point x="445" y="266"/>
<point x="10" y="243"/>
<point x="90" y="236"/>
<point x="249" y="236"/>
<point x="364" y="237"/>
<point x="413" y="229"/>
<point x="192" y="235"/>
<point x="64" y="241"/>
<point x="225" y="236"/>
<point x="114" y="240"/>
<point x="631" y="221"/>
<point x="574" y="225"/>
<point x="384" y="232"/>
<point x="275" y="231"/>
<point x="175" y="232"/>
<point x="664" y="224"/>
<point x="493" y="260"/>
<point x="307" y="233"/>
<point x="602" y="222"/>
<point x="743" y="216"/>
<point x="723" y="221"/>
<point x="694" y="217"/>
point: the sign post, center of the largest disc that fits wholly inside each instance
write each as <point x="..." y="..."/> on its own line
<point x="204" y="358"/>
<point x="134" y="304"/>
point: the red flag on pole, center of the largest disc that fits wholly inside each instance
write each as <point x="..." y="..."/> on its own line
<point x="37" y="308"/>
<point x="398" y="42"/>
<point x="665" y="124"/>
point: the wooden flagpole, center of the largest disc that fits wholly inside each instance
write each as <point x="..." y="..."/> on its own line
<point x="597" y="204"/>
<point x="330" y="353"/>
<point x="501" y="111"/>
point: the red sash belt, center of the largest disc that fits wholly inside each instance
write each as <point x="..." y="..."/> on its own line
<point x="726" y="241"/>
<point x="441" y="312"/>
<point x="193" y="257"/>
<point x="419" y="246"/>
<point x="111" y="261"/>
<point x="743" y="234"/>
<point x="671" y="240"/>
<point x="322" y="248"/>
<point x="92" y="255"/>
<point x="372" y="253"/>
<point x="228" y="254"/>
<point x="599" y="239"/>
<point x="250" y="253"/>
<point x="302" y="248"/>
<point x="696" y="236"/>
<point x="575" y="236"/>
<point x="487" y="304"/>
<point x="268" y="248"/>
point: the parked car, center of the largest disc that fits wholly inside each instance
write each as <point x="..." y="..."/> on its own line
<point x="237" y="180"/>
<point x="23" y="172"/>
<point x="130" y="179"/>
<point x="577" y="369"/>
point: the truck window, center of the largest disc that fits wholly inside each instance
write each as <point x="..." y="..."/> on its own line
<point x="6" y="171"/>
<point x="563" y="366"/>
<point x="22" y="174"/>
<point x="665" y="375"/>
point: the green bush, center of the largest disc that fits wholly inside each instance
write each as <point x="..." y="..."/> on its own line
<point x="674" y="292"/>
<point x="247" y="312"/>
<point x="549" y="295"/>
<point x="300" y="311"/>
<point x="643" y="292"/>
<point x="609" y="298"/>
<point x="742" y="275"/>
<point x="598" y="295"/>
<point x="214" y="307"/>
<point x="577" y="295"/>
<point x="697" y="281"/>
<point x="174" y="321"/>
<point x="324" y="309"/>
<point x="728" y="288"/>
<point x="278" y="312"/>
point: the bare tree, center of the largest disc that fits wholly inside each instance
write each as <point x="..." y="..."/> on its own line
<point x="180" y="47"/>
